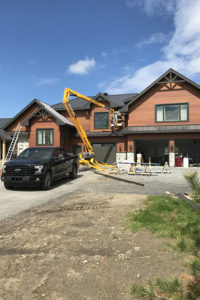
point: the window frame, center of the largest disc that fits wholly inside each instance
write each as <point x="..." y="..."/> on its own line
<point x="166" y="104"/>
<point x="45" y="129"/>
<point x="98" y="113"/>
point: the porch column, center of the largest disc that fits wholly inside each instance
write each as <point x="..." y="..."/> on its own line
<point x="3" y="151"/>
<point x="121" y="152"/>
<point x="172" y="153"/>
<point x="130" y="150"/>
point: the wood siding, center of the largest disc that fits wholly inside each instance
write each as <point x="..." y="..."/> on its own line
<point x="39" y="123"/>
<point x="142" y="112"/>
<point x="86" y="117"/>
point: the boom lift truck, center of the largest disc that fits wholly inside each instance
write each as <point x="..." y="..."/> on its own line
<point x="88" y="157"/>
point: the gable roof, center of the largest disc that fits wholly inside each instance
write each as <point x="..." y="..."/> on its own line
<point x="4" y="135"/>
<point x="80" y="104"/>
<point x="59" y="118"/>
<point x="3" y="121"/>
<point x="18" y="114"/>
<point x="177" y="74"/>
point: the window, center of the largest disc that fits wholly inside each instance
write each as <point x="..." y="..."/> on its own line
<point x="36" y="153"/>
<point x="171" y="112"/>
<point x="44" y="137"/>
<point x="101" y="120"/>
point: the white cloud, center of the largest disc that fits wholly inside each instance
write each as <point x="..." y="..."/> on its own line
<point x="102" y="84"/>
<point x="155" y="38"/>
<point x="104" y="54"/>
<point x="154" y="7"/>
<point x="82" y="67"/>
<point x="46" y="81"/>
<point x="181" y="53"/>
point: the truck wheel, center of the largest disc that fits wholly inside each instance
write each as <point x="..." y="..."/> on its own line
<point x="47" y="183"/>
<point x="7" y="186"/>
<point x="73" y="173"/>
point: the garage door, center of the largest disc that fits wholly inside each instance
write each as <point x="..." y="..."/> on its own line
<point x="188" y="148"/>
<point x="105" y="152"/>
<point x="156" y="149"/>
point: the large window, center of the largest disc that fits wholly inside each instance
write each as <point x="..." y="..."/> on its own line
<point x="44" y="137"/>
<point x="101" y="120"/>
<point x="172" y="112"/>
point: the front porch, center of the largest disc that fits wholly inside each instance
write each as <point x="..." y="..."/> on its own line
<point x="4" y="140"/>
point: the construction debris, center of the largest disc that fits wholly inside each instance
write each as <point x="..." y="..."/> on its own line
<point x="186" y="197"/>
<point x="133" y="170"/>
<point x="115" y="170"/>
<point x="118" y="178"/>
<point x="166" y="168"/>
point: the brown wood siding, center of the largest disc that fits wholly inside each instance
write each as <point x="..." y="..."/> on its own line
<point x="142" y="113"/>
<point x="86" y="117"/>
<point x="39" y="123"/>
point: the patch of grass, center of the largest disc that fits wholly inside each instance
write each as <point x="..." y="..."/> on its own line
<point x="161" y="289"/>
<point x="168" y="217"/>
<point x="175" y="219"/>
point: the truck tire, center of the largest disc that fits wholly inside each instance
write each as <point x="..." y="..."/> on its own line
<point x="7" y="186"/>
<point x="73" y="173"/>
<point x="47" y="183"/>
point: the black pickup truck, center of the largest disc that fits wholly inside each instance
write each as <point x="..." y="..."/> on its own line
<point x="39" y="166"/>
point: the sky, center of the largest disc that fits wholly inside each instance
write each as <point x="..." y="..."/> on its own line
<point x="92" y="46"/>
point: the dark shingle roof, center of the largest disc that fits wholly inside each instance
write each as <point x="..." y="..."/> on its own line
<point x="4" y="135"/>
<point x="61" y="119"/>
<point x="160" y="129"/>
<point x="80" y="104"/>
<point x="101" y="134"/>
<point x="3" y="121"/>
<point x="120" y="100"/>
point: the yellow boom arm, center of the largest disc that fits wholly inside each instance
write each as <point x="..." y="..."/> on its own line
<point x="74" y="119"/>
<point x="68" y="92"/>
<point x="91" y="161"/>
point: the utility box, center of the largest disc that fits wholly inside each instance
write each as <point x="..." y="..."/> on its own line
<point x="179" y="161"/>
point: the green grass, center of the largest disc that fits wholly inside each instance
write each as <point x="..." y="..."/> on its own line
<point x="167" y="217"/>
<point x="175" y="219"/>
<point x="163" y="289"/>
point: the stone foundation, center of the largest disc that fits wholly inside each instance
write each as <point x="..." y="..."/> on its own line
<point x="120" y="157"/>
<point x="172" y="159"/>
<point x="131" y="156"/>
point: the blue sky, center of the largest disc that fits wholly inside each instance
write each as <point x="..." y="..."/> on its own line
<point x="91" y="46"/>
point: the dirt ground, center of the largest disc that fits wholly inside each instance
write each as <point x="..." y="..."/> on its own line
<point x="77" y="247"/>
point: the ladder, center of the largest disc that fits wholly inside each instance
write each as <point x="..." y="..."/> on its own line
<point x="13" y="142"/>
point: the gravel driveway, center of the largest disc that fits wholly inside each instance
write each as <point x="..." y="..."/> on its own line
<point x="13" y="202"/>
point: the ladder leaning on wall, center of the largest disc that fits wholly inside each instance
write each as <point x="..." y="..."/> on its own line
<point x="13" y="142"/>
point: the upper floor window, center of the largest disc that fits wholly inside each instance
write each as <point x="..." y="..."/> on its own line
<point x="101" y="120"/>
<point x="172" y="112"/>
<point x="44" y="137"/>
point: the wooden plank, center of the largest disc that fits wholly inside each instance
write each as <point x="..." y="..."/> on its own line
<point x="118" y="178"/>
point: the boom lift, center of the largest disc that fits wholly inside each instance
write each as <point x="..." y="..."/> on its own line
<point x="88" y="157"/>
